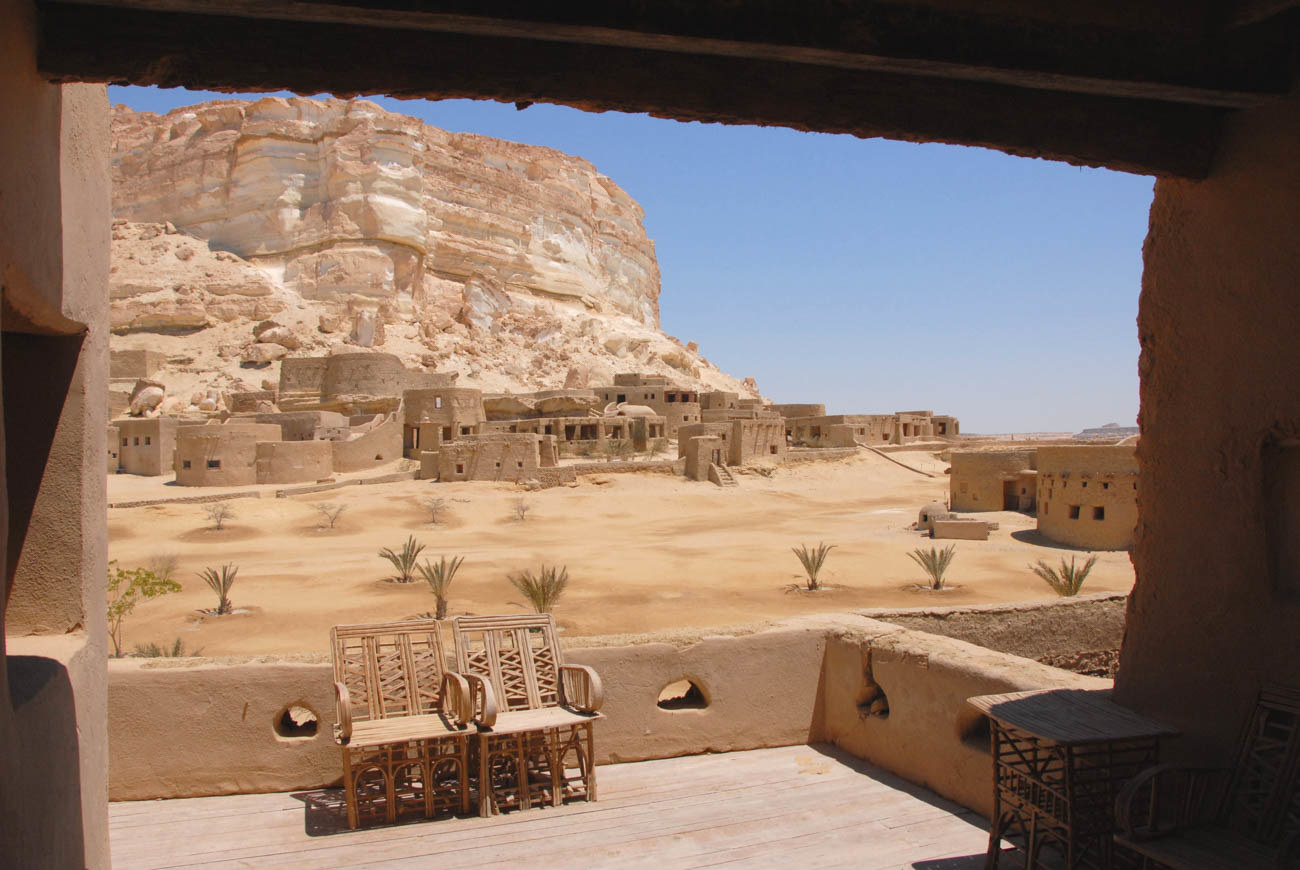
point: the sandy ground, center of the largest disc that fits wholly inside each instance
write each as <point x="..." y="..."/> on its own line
<point x="645" y="552"/>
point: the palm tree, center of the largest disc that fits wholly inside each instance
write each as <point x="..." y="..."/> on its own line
<point x="439" y="578"/>
<point x="544" y="589"/>
<point x="1069" y="580"/>
<point x="812" y="561"/>
<point x="220" y="583"/>
<point x="934" y="562"/>
<point x="404" y="561"/>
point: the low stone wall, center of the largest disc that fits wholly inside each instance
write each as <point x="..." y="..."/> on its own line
<point x="1032" y="629"/>
<point x="185" y="499"/>
<point x="188" y="727"/>
<point x="819" y="454"/>
<point x="663" y="466"/>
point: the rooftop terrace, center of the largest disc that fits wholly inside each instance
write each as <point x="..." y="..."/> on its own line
<point x="804" y="805"/>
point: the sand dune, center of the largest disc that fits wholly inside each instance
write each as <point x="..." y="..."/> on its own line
<point x="645" y="552"/>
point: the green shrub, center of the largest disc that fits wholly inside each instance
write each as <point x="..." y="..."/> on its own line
<point x="220" y="583"/>
<point x="542" y="590"/>
<point x="812" y="561"/>
<point x="1069" y="580"/>
<point x="439" y="578"/>
<point x="403" y="560"/>
<point x="125" y="590"/>
<point x="934" y="562"/>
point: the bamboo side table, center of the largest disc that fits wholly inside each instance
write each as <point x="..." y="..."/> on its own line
<point x="1060" y="756"/>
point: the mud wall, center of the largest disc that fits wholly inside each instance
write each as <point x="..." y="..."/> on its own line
<point x="1087" y="496"/>
<point x="1216" y="607"/>
<point x="193" y="726"/>
<point x="380" y="445"/>
<point x="294" y="461"/>
<point x="976" y="477"/>
<point x="54" y="240"/>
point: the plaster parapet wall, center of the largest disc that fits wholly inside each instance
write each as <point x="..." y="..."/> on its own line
<point x="187" y="727"/>
<point x="931" y="736"/>
<point x="379" y="446"/>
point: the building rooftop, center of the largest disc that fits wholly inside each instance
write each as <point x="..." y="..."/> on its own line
<point x="806" y="805"/>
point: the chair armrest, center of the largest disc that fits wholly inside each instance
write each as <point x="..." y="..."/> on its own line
<point x="343" y="713"/>
<point x="454" y="699"/>
<point x="484" y="701"/>
<point x="580" y="688"/>
<point x="1166" y="798"/>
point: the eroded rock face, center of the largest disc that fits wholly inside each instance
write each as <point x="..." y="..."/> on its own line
<point x="317" y="227"/>
<point x="345" y="198"/>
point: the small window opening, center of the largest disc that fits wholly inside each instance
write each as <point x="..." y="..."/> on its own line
<point x="1105" y="486"/>
<point x="519" y="464"/>
<point x="124" y="442"/>
<point x="214" y="463"/>
<point x="1074" y="511"/>
<point x="185" y="463"/>
<point x="379" y="457"/>
<point x="137" y="441"/>
<point x="1085" y="484"/>
<point x="682" y="695"/>
<point x="1099" y="513"/>
<point x="460" y="468"/>
<point x="296" y="721"/>
<point x="437" y="401"/>
<point x="147" y="441"/>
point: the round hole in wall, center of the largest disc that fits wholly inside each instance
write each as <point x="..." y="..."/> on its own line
<point x="296" y="720"/>
<point x="682" y="695"/>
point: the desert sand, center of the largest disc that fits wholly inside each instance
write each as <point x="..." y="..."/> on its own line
<point x="645" y="552"/>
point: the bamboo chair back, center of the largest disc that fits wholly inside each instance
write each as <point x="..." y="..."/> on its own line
<point x="393" y="669"/>
<point x="1263" y="797"/>
<point x="518" y="655"/>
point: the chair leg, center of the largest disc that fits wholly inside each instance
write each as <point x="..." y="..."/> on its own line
<point x="555" y="759"/>
<point x="462" y="754"/>
<point x="589" y="763"/>
<point x="390" y="788"/>
<point x="485" y="807"/>
<point x="349" y="789"/>
<point x="521" y="766"/>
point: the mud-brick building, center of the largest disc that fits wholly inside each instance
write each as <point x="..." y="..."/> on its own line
<point x="145" y="445"/>
<point x="993" y="480"/>
<point x="678" y="406"/>
<point x="1087" y="496"/>
<point x="491" y="456"/>
<point x="738" y="441"/>
<point x="432" y="417"/>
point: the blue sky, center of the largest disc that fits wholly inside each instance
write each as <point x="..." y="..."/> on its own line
<point x="870" y="275"/>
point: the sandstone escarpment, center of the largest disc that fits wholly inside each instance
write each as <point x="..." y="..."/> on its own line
<point x="511" y="264"/>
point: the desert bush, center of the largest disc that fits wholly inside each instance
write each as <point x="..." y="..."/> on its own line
<point x="1069" y="580"/>
<point x="330" y="511"/>
<point x="522" y="507"/>
<point x="934" y="562"/>
<point x="439" y="577"/>
<point x="220" y="583"/>
<point x="218" y="512"/>
<point x="618" y="448"/>
<point x="403" y="560"/>
<point x="582" y="448"/>
<point x="812" y="561"/>
<point x="126" y="587"/>
<point x="543" y="589"/>
<point x="175" y="651"/>
<point x="163" y="565"/>
<point x="435" y="505"/>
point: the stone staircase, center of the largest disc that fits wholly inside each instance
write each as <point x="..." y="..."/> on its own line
<point x="721" y="475"/>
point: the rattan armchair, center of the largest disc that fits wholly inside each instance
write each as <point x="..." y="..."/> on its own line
<point x="535" y="713"/>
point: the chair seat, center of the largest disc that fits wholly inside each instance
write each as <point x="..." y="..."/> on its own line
<point x="1203" y="849"/>
<point x="517" y="721"/>
<point x="377" y="732"/>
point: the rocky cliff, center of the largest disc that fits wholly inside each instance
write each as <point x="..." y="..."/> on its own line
<point x="347" y="224"/>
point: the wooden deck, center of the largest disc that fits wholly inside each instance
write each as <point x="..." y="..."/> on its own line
<point x="807" y="806"/>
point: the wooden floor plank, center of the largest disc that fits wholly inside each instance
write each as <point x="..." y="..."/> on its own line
<point x="802" y="804"/>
